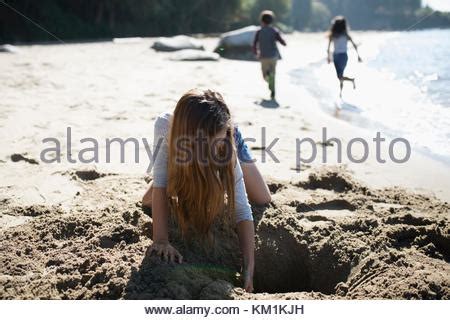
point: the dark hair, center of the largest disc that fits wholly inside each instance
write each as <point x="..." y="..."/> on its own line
<point x="267" y="16"/>
<point x="338" y="27"/>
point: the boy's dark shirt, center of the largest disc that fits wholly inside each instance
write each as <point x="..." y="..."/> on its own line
<point x="267" y="38"/>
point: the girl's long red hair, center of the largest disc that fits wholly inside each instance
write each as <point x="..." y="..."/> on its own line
<point x="200" y="188"/>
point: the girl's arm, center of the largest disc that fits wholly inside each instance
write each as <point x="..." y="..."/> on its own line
<point x="328" y="50"/>
<point x="354" y="46"/>
<point x="245" y="228"/>
<point x="246" y="234"/>
<point x="160" y="214"/>
<point x="160" y="206"/>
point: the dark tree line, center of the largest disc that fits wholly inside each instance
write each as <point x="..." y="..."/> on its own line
<point x="94" y="19"/>
<point x="81" y="19"/>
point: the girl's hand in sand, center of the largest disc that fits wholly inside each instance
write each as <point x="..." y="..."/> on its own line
<point x="164" y="250"/>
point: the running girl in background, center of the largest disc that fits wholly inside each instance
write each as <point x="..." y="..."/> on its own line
<point x="339" y="36"/>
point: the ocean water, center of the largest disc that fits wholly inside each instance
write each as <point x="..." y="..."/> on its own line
<point x="403" y="88"/>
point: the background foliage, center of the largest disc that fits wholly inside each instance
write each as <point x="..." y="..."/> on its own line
<point x="94" y="19"/>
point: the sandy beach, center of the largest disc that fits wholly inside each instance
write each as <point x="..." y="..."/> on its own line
<point x="78" y="231"/>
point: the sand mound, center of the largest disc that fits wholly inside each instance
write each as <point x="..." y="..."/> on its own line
<point x="338" y="181"/>
<point x="328" y="237"/>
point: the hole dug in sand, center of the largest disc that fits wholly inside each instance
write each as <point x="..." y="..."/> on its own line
<point x="295" y="255"/>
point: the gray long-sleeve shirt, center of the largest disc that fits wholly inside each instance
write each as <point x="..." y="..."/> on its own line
<point x="159" y="166"/>
<point x="265" y="42"/>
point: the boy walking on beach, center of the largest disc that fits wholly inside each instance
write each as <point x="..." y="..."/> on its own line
<point x="265" y="48"/>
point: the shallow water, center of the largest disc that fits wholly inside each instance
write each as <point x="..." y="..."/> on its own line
<point x="403" y="87"/>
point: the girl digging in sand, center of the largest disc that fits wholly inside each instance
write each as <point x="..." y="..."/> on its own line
<point x="340" y="36"/>
<point x="198" y="179"/>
